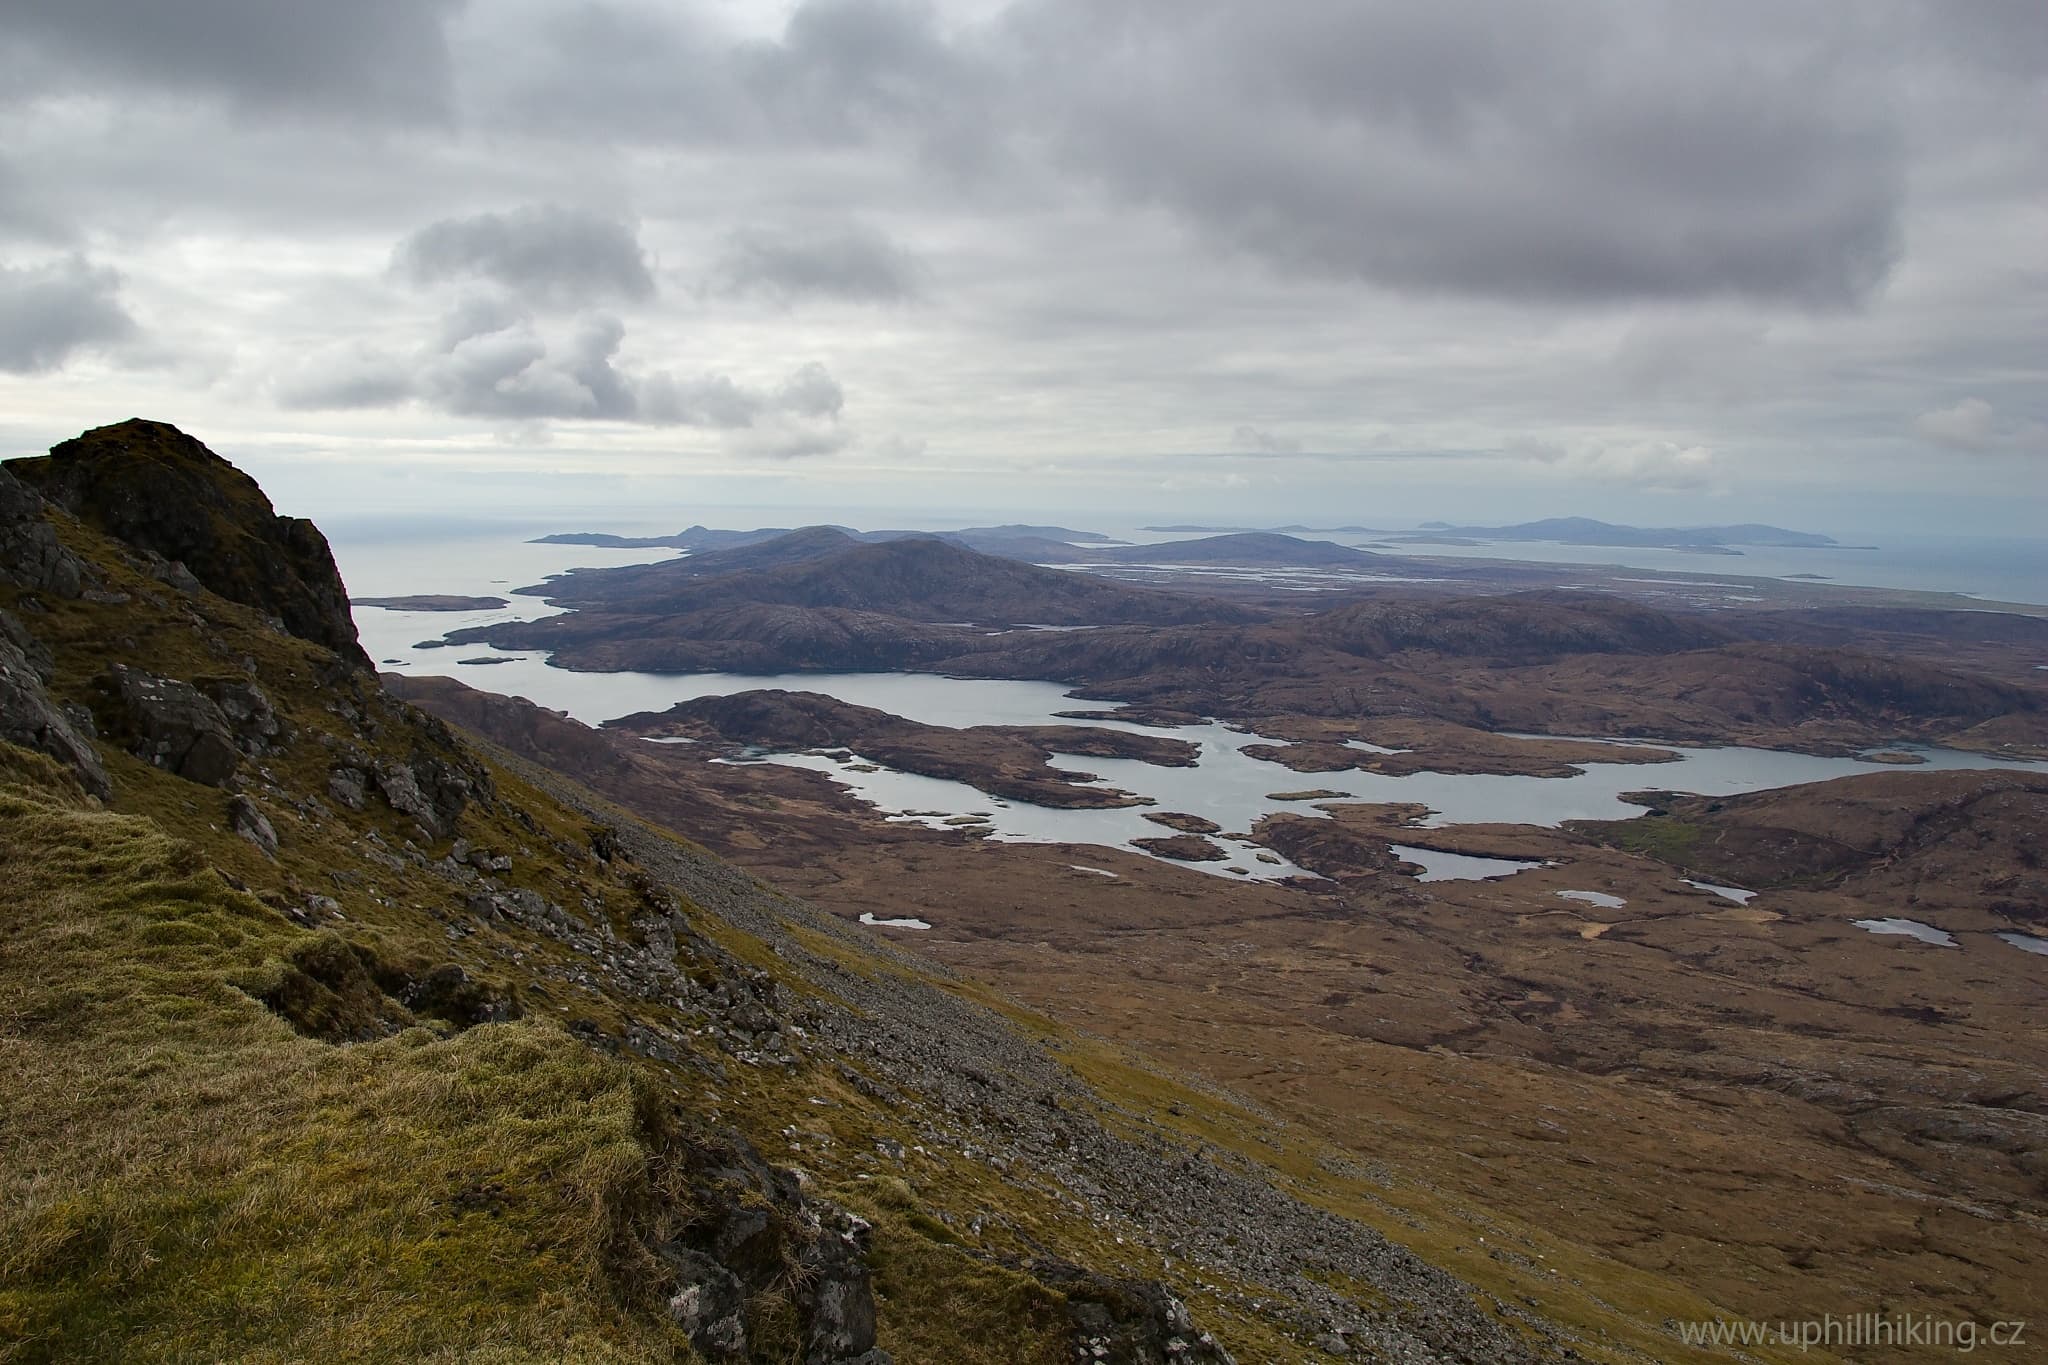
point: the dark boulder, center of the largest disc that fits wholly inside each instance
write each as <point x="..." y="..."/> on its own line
<point x="173" y="725"/>
<point x="159" y="490"/>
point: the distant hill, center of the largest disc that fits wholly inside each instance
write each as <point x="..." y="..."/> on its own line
<point x="1251" y="548"/>
<point x="1587" y="531"/>
<point x="1017" y="531"/>
<point x="1015" y="541"/>
<point x="695" y="539"/>
<point x="1286" y="530"/>
<point x="917" y="578"/>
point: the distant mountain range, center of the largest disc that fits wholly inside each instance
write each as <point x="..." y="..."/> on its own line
<point x="1281" y="530"/>
<point x="1248" y="548"/>
<point x="1243" y="544"/>
<point x="714" y="551"/>
<point x="923" y="579"/>
<point x="1586" y="531"/>
<point x="1014" y="541"/>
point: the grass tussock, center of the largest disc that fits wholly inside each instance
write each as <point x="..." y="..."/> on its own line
<point x="184" y="1176"/>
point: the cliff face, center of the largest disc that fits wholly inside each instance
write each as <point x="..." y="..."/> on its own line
<point x="158" y="490"/>
<point x="330" y="1036"/>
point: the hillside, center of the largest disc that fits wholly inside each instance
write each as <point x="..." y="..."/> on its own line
<point x="331" y="1036"/>
<point x="1937" y="841"/>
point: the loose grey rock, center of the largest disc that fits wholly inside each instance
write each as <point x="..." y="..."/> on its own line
<point x="348" y="787"/>
<point x="252" y="824"/>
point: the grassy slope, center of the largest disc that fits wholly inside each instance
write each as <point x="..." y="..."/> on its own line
<point x="187" y="1177"/>
<point x="184" y="1176"/>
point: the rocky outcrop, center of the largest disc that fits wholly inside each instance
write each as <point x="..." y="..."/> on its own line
<point x="1128" y="1322"/>
<point x="30" y="718"/>
<point x="30" y="554"/>
<point x="254" y="722"/>
<point x="159" y="490"/>
<point x="171" y="724"/>
<point x="755" y="1231"/>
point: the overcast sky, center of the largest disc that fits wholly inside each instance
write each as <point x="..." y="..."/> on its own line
<point x="1301" y="259"/>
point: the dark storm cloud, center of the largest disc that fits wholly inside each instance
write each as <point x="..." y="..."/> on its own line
<point x="1562" y="152"/>
<point x="851" y="262"/>
<point x="840" y="72"/>
<point x="549" y="255"/>
<point x="375" y="60"/>
<point x="1579" y="151"/>
<point x="2007" y="37"/>
<point x="48" y="312"/>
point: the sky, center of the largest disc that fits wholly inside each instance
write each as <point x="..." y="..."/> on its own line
<point x="1305" y="260"/>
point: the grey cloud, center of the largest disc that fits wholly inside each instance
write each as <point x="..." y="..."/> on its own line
<point x="2005" y="37"/>
<point x="852" y="262"/>
<point x="839" y="73"/>
<point x="1584" y="151"/>
<point x="847" y="67"/>
<point x="513" y="373"/>
<point x="23" y="215"/>
<point x="50" y="312"/>
<point x="549" y="255"/>
<point x="487" y="358"/>
<point x="705" y="401"/>
<point x="1710" y="359"/>
<point x="811" y="392"/>
<point x="372" y="59"/>
<point x="476" y="313"/>
<point x="1263" y="441"/>
<point x="352" y="376"/>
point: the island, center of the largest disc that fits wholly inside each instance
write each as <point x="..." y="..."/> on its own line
<point x="431" y="602"/>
